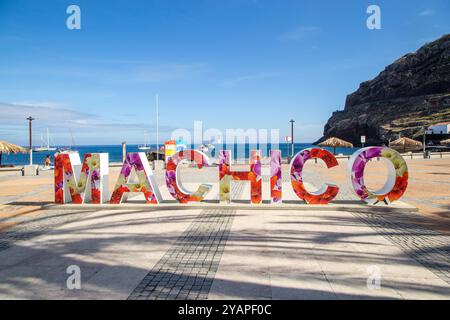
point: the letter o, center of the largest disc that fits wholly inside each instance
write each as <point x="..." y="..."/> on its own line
<point x="397" y="179"/>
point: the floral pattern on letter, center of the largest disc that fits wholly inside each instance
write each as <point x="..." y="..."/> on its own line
<point x="254" y="176"/>
<point x="397" y="180"/>
<point x="139" y="162"/>
<point x="296" y="171"/>
<point x="275" y="176"/>
<point x="172" y="181"/>
<point x="64" y="173"/>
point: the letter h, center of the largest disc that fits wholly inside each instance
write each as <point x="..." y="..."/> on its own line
<point x="226" y="175"/>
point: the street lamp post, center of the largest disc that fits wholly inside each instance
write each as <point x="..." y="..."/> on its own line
<point x="292" y="138"/>
<point x="30" y="129"/>
<point x="424" y="142"/>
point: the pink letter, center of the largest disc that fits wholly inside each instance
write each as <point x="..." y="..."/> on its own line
<point x="397" y="180"/>
<point x="145" y="183"/>
<point x="173" y="182"/>
<point x="226" y="175"/>
<point x="68" y="187"/>
<point x="275" y="176"/>
<point x="328" y="192"/>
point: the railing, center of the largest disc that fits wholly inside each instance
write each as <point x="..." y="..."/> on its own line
<point x="430" y="155"/>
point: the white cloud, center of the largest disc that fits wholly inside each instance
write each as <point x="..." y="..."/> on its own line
<point x="139" y="73"/>
<point x="427" y="13"/>
<point x="61" y="118"/>
<point x="51" y="112"/>
<point x="250" y="77"/>
<point x="300" y="32"/>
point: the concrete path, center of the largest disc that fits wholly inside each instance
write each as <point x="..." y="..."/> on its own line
<point x="318" y="255"/>
<point x="229" y="254"/>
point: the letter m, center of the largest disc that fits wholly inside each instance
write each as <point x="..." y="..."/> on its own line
<point x="71" y="178"/>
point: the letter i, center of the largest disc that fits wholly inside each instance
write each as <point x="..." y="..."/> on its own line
<point x="275" y="176"/>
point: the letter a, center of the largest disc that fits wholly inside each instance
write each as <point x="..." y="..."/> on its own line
<point x="374" y="20"/>
<point x="137" y="162"/>
<point x="74" y="20"/>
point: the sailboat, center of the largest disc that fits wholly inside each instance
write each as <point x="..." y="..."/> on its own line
<point x="156" y="154"/>
<point x="43" y="147"/>
<point x="70" y="148"/>
<point x="145" y="146"/>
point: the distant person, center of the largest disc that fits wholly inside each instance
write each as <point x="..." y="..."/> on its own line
<point x="47" y="163"/>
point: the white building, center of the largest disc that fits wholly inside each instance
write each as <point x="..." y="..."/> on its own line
<point x="439" y="128"/>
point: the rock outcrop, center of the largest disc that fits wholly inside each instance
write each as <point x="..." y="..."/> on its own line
<point x="409" y="94"/>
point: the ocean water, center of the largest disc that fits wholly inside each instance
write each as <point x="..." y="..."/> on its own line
<point x="115" y="152"/>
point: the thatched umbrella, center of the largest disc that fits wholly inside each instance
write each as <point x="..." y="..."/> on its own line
<point x="336" y="143"/>
<point x="445" y="142"/>
<point x="6" y="147"/>
<point x="404" y="144"/>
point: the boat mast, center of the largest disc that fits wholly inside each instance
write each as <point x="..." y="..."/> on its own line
<point x="42" y="140"/>
<point x="145" y="138"/>
<point x="157" y="125"/>
<point x="48" y="140"/>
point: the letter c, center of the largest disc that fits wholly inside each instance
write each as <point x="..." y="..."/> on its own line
<point x="173" y="182"/>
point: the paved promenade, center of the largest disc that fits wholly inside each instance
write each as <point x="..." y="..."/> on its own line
<point x="219" y="254"/>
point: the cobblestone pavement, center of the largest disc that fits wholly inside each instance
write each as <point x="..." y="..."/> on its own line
<point x="187" y="269"/>
<point x="428" y="247"/>
<point x="32" y="227"/>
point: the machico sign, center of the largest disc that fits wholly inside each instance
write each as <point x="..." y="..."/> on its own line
<point x="73" y="177"/>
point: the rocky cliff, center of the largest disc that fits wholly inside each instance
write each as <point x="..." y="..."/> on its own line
<point x="409" y="94"/>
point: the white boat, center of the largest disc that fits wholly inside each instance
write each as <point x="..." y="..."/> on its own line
<point x="207" y="148"/>
<point x="69" y="149"/>
<point x="145" y="146"/>
<point x="43" y="147"/>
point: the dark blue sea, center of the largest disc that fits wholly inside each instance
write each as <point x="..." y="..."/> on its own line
<point x="115" y="152"/>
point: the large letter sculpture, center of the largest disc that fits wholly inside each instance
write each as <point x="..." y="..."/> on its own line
<point x="145" y="183"/>
<point x="173" y="182"/>
<point x="397" y="180"/>
<point x="226" y="175"/>
<point x="328" y="191"/>
<point x="275" y="177"/>
<point x="71" y="178"/>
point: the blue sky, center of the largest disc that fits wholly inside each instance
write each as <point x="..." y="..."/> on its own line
<point x="231" y="64"/>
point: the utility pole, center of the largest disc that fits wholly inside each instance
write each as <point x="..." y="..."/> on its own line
<point x="292" y="138"/>
<point x="424" y="141"/>
<point x="30" y="129"/>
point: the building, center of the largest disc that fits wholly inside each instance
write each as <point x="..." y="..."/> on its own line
<point x="439" y="128"/>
